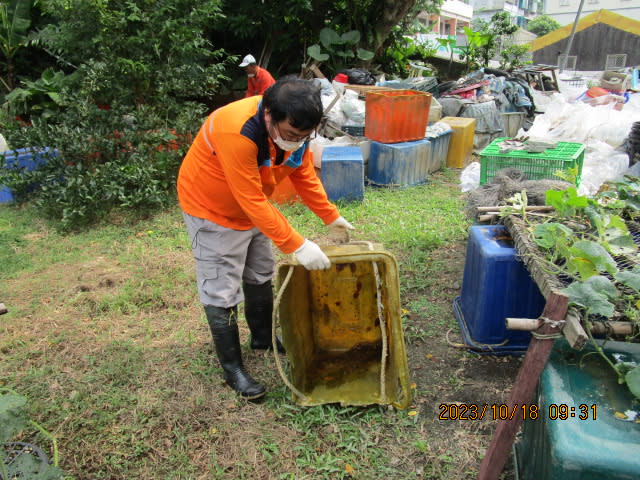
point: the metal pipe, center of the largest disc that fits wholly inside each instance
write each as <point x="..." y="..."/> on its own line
<point x="563" y="60"/>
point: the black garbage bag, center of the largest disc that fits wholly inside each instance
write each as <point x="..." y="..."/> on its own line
<point x="359" y="77"/>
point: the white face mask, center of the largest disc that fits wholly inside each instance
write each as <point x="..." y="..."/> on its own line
<point x="251" y="75"/>
<point x="286" y="145"/>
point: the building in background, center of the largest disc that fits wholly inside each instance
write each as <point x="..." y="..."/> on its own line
<point x="564" y="11"/>
<point x="521" y="11"/>
<point x="453" y="16"/>
<point x="603" y="40"/>
<point x="449" y="23"/>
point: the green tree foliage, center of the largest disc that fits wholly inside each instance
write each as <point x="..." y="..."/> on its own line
<point x="138" y="72"/>
<point x="542" y="25"/>
<point x="514" y="56"/>
<point x="284" y="30"/>
<point x="15" y="20"/>
<point x="41" y="97"/>
<point x="338" y="50"/>
<point x="133" y="77"/>
<point x="402" y="51"/>
<point x="484" y="40"/>
<point x="104" y="161"/>
<point x="137" y="51"/>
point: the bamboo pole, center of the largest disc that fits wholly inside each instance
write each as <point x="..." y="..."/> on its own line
<point x="526" y="324"/>
<point x="528" y="208"/>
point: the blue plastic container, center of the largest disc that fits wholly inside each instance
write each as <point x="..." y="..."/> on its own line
<point x="439" y="150"/>
<point x="635" y="79"/>
<point x="405" y="163"/>
<point x="577" y="435"/>
<point x="28" y="158"/>
<point x="342" y="173"/>
<point x="495" y="285"/>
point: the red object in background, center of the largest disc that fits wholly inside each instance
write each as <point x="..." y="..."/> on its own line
<point x="468" y="88"/>
<point x="23" y="122"/>
<point x="594" y="92"/>
<point x="341" y="78"/>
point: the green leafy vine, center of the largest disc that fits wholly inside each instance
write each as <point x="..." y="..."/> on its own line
<point x="587" y="242"/>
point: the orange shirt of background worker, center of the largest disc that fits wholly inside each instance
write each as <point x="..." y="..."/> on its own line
<point x="258" y="78"/>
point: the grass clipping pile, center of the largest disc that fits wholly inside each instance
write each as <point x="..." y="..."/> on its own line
<point x="507" y="183"/>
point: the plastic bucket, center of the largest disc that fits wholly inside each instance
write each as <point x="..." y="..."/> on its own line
<point x="342" y="331"/>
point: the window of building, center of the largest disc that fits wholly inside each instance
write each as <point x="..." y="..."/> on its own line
<point x="571" y="62"/>
<point x="614" y="61"/>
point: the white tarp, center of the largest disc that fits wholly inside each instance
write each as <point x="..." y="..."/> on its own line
<point x="602" y="128"/>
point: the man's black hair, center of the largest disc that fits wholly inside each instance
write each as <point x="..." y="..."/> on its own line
<point x="295" y="99"/>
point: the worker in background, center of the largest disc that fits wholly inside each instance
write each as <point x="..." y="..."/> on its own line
<point x="242" y="151"/>
<point x="258" y="78"/>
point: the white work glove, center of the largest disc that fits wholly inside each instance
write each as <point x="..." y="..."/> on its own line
<point x="339" y="230"/>
<point x="312" y="257"/>
<point x="340" y="224"/>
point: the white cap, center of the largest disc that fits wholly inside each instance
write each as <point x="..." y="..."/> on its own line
<point x="248" y="60"/>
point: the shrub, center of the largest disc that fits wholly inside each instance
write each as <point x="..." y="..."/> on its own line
<point x="107" y="159"/>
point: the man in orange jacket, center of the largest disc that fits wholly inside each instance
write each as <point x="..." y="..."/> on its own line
<point x="258" y="78"/>
<point x="242" y="151"/>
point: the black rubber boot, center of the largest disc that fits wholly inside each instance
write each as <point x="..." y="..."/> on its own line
<point x="258" y="308"/>
<point x="224" y="329"/>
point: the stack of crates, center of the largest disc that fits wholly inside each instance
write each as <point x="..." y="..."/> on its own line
<point x="404" y="163"/>
<point x="536" y="166"/>
<point x="396" y="121"/>
<point x="342" y="173"/>
<point x="440" y="142"/>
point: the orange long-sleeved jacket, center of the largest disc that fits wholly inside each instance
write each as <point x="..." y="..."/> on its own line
<point x="230" y="171"/>
<point x="258" y="84"/>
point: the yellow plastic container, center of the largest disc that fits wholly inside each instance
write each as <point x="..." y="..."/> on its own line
<point x="331" y="329"/>
<point x="461" y="144"/>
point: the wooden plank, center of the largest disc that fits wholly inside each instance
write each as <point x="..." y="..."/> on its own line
<point x="522" y="392"/>
<point x="573" y="331"/>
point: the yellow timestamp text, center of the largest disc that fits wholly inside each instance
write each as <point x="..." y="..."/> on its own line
<point x="527" y="411"/>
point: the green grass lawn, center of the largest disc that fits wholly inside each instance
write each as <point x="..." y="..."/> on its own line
<point x="106" y="338"/>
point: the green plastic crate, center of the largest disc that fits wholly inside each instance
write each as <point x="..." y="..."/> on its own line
<point x="535" y="166"/>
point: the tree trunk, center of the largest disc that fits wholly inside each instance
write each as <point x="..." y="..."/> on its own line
<point x="391" y="12"/>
